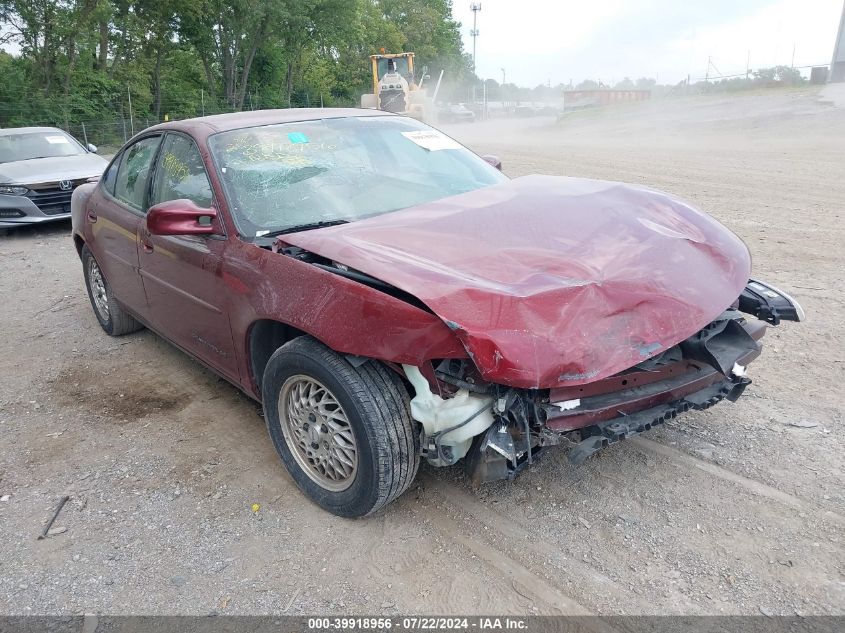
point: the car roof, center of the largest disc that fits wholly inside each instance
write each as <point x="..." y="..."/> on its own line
<point x="8" y="131"/>
<point x="205" y="126"/>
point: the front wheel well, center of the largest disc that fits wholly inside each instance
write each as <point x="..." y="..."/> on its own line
<point x="265" y="337"/>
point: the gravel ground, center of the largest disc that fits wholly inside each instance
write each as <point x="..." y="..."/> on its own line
<point x="735" y="510"/>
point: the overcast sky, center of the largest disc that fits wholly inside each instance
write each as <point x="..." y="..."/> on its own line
<point x="536" y="41"/>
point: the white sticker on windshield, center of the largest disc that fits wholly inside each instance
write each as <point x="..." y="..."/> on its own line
<point x="56" y="140"/>
<point x="431" y="140"/>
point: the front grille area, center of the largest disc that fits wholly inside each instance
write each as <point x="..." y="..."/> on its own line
<point x="51" y="202"/>
<point x="51" y="199"/>
<point x="11" y="213"/>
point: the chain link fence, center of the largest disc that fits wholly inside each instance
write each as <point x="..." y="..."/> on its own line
<point x="110" y="133"/>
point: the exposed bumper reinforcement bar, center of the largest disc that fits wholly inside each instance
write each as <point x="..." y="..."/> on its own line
<point x="599" y="436"/>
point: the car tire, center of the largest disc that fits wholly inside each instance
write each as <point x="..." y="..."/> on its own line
<point x="110" y="314"/>
<point x="343" y="431"/>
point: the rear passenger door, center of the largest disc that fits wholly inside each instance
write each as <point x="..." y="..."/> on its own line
<point x="183" y="274"/>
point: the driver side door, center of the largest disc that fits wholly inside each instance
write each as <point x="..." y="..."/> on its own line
<point x="183" y="274"/>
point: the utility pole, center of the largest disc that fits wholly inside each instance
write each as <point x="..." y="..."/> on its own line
<point x="502" y="89"/>
<point x="475" y="7"/>
<point x="747" y="65"/>
<point x="131" y="120"/>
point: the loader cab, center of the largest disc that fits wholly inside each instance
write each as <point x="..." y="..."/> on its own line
<point x="395" y="88"/>
<point x="401" y="63"/>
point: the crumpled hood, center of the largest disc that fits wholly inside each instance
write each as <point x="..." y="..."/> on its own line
<point x="551" y="281"/>
<point x="38" y="170"/>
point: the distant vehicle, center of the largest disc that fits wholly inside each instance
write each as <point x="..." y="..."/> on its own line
<point x="548" y="110"/>
<point x="398" y="297"/>
<point x="524" y="111"/>
<point x="39" y="169"/>
<point x="456" y="113"/>
<point x="583" y="99"/>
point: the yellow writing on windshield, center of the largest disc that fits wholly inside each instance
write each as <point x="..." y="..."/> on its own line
<point x="252" y="149"/>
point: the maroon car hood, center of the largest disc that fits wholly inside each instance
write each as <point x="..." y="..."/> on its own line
<point x="551" y="281"/>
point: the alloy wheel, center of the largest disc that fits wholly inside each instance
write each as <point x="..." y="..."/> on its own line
<point x="98" y="290"/>
<point x="318" y="433"/>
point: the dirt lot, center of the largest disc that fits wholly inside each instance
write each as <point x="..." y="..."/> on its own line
<point x="733" y="510"/>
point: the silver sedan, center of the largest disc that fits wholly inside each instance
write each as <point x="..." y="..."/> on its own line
<point x="39" y="169"/>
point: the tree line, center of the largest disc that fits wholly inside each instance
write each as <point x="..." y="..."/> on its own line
<point x="66" y="61"/>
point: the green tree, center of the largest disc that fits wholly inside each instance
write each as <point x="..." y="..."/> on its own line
<point x="84" y="59"/>
<point x="427" y="29"/>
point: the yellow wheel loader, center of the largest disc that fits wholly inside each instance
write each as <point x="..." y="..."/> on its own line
<point x="395" y="88"/>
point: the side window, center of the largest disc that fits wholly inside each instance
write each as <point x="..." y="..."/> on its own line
<point x="110" y="176"/>
<point x="131" y="183"/>
<point x="180" y="173"/>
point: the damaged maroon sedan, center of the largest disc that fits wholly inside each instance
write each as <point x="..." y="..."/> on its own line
<point x="389" y="296"/>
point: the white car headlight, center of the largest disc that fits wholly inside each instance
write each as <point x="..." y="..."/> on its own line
<point x="13" y="190"/>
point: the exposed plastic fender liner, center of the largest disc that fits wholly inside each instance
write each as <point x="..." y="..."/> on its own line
<point x="449" y="423"/>
<point x="493" y="457"/>
<point x="355" y="361"/>
<point x="722" y="344"/>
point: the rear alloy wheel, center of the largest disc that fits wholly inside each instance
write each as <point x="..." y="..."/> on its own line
<point x="344" y="433"/>
<point x="99" y="297"/>
<point x="111" y="315"/>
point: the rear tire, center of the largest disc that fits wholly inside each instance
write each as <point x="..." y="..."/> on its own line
<point x="344" y="433"/>
<point x="114" y="320"/>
